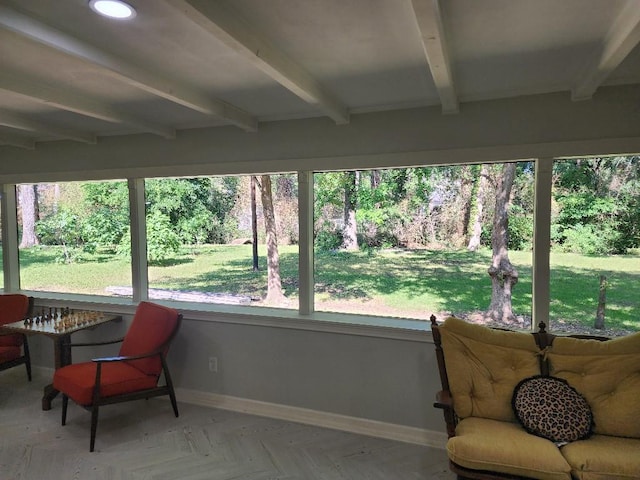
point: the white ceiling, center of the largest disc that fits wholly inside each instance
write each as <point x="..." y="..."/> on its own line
<point x="66" y="73"/>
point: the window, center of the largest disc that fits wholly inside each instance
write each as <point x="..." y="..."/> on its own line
<point x="201" y="234"/>
<point x="415" y="241"/>
<point x="74" y="237"/>
<point x="392" y="243"/>
<point x="595" y="254"/>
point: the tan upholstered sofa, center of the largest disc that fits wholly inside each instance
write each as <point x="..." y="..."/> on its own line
<point x="480" y="367"/>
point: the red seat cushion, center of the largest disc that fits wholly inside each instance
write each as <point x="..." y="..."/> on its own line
<point x="77" y="380"/>
<point x="13" y="307"/>
<point x="152" y="326"/>
<point x="9" y="353"/>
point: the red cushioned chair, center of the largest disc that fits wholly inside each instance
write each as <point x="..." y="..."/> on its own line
<point x="14" y="348"/>
<point x="132" y="375"/>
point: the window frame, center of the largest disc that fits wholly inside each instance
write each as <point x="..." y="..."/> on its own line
<point x="305" y="317"/>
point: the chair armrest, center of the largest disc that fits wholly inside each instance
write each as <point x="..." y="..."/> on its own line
<point x="443" y="400"/>
<point x="123" y="358"/>
<point x="92" y="344"/>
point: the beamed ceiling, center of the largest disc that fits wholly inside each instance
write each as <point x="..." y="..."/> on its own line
<point x="69" y="74"/>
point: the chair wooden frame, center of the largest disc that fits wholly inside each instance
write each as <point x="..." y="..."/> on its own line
<point x="98" y="400"/>
<point x="25" y="358"/>
<point x="444" y="399"/>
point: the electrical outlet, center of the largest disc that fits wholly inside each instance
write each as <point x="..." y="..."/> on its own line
<point x="213" y="364"/>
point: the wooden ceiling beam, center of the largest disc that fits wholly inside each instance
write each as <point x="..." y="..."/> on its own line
<point x="20" y="122"/>
<point x="245" y="40"/>
<point x="128" y="72"/>
<point x="621" y="39"/>
<point x="428" y="14"/>
<point x="69" y="101"/>
<point x="17" y="141"/>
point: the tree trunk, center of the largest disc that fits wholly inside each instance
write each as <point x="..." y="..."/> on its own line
<point x="28" y="197"/>
<point x="254" y="224"/>
<point x="602" y="299"/>
<point x="375" y="179"/>
<point x="466" y="188"/>
<point x="503" y="275"/>
<point x="474" y="241"/>
<point x="274" y="283"/>
<point x="349" y="231"/>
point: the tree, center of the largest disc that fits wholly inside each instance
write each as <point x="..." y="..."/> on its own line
<point x="274" y="282"/>
<point x="28" y="198"/>
<point x="474" y="240"/>
<point x="503" y="274"/>
<point x="254" y="223"/>
<point x="598" y="205"/>
<point x="349" y="230"/>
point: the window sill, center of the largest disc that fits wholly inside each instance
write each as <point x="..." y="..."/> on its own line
<point x="346" y="324"/>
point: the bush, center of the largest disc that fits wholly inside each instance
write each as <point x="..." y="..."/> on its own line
<point x="589" y="239"/>
<point x="162" y="241"/>
<point x="328" y="240"/>
<point x="520" y="230"/>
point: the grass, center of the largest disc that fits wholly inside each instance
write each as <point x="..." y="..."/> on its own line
<point x="394" y="282"/>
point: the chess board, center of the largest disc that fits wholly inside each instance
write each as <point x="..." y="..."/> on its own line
<point x="54" y="321"/>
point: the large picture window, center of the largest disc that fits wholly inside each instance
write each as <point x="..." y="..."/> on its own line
<point x="393" y="243"/>
<point x="415" y="241"/>
<point x="595" y="252"/>
<point x="224" y="240"/>
<point x="74" y="237"/>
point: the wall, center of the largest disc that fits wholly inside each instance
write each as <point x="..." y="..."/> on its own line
<point x="516" y="128"/>
<point x="392" y="381"/>
<point x="383" y="380"/>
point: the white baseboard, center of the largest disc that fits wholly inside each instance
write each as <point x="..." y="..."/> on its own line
<point x="361" y="426"/>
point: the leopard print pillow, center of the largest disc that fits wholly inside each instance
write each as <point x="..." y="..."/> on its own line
<point x="551" y="408"/>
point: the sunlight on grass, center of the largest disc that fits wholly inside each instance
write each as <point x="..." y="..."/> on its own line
<point x="393" y="282"/>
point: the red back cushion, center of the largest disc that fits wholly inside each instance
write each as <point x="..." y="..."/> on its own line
<point x="13" y="307"/>
<point x="152" y="326"/>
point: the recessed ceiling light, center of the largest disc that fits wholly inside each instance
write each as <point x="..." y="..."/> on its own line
<point x="113" y="9"/>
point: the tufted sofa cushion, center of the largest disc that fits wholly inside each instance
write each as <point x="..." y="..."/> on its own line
<point x="484" y="366"/>
<point x="608" y="375"/>
<point x="483" y="444"/>
<point x="602" y="457"/>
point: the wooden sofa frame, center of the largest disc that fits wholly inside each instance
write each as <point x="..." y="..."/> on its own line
<point x="444" y="399"/>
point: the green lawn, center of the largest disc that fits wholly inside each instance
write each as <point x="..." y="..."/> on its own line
<point x="401" y="283"/>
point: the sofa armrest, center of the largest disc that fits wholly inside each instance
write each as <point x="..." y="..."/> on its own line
<point x="444" y="400"/>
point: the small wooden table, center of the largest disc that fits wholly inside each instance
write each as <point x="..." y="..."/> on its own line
<point x="59" y="326"/>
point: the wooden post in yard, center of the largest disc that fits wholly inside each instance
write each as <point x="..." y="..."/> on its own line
<point x="602" y="299"/>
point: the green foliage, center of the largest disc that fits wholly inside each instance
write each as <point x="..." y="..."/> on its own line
<point x="327" y="240"/>
<point x="587" y="223"/>
<point x="61" y="228"/>
<point x="64" y="228"/>
<point x="589" y="239"/>
<point x="520" y="229"/>
<point x="106" y="207"/>
<point x="196" y="208"/>
<point x="598" y="202"/>
<point x="162" y="241"/>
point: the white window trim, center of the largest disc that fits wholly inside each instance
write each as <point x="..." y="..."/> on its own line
<point x="304" y="317"/>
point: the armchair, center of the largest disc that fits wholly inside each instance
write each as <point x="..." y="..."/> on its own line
<point x="14" y="347"/>
<point x="132" y="375"/>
